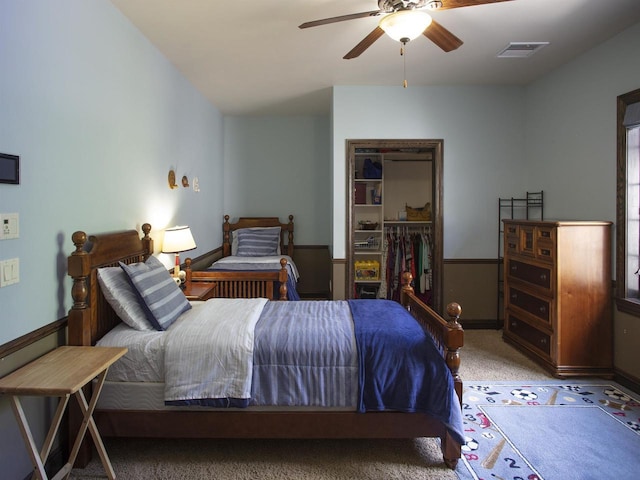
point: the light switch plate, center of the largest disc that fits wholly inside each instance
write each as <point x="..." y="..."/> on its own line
<point x="9" y="272"/>
<point x="9" y="226"/>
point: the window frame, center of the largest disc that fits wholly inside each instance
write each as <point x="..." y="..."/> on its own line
<point x="625" y="303"/>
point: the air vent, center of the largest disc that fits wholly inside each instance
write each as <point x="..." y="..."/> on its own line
<point x="521" y="49"/>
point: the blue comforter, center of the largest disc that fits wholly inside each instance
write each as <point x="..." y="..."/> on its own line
<point x="400" y="366"/>
<point x="306" y="355"/>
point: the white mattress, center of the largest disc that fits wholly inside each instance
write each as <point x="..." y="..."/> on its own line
<point x="150" y="396"/>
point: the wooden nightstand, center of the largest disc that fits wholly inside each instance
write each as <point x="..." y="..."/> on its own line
<point x="199" y="290"/>
<point x="62" y="373"/>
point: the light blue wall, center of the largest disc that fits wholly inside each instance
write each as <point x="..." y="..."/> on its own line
<point x="571" y="129"/>
<point x="98" y="117"/>
<point x="280" y="166"/>
<point x="482" y="129"/>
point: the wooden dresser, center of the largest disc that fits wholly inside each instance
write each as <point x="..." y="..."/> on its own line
<point x="558" y="294"/>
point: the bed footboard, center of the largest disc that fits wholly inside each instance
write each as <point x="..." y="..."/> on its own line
<point x="448" y="335"/>
<point x="231" y="284"/>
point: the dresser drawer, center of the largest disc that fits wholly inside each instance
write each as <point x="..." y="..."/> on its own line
<point x="530" y="335"/>
<point x="511" y="245"/>
<point x="540" y="276"/>
<point x="536" y="306"/>
<point x="545" y="240"/>
<point x="545" y="251"/>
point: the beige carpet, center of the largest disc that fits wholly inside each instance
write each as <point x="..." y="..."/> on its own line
<point x="484" y="357"/>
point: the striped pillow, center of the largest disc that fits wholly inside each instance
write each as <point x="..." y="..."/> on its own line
<point x="162" y="299"/>
<point x="123" y="298"/>
<point x="258" y="242"/>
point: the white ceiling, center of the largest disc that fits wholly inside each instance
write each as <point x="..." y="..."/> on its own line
<point x="251" y="57"/>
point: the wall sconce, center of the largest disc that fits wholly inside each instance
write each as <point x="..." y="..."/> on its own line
<point x="172" y="180"/>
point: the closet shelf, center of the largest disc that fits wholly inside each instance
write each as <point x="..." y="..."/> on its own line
<point x="407" y="222"/>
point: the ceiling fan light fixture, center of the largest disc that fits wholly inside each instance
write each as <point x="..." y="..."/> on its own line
<point x="405" y="25"/>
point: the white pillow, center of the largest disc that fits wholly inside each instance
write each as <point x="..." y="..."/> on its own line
<point x="124" y="300"/>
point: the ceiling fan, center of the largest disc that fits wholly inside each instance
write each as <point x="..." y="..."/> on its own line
<point x="405" y="20"/>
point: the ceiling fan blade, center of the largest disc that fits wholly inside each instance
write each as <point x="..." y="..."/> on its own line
<point x="442" y="37"/>
<point x="449" y="4"/>
<point x="365" y="43"/>
<point x="342" y="18"/>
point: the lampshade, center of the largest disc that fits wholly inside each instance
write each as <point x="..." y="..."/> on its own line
<point x="178" y="239"/>
<point x="405" y="24"/>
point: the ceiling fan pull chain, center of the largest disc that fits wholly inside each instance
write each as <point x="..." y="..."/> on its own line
<point x="404" y="63"/>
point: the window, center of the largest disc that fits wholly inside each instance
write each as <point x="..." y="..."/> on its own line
<point x="628" y="204"/>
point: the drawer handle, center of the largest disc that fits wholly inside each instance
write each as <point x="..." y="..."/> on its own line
<point x="514" y="323"/>
<point x="543" y="309"/>
<point x="512" y="246"/>
<point x="514" y="296"/>
<point x="543" y="341"/>
<point x="546" y="252"/>
<point x="545" y="234"/>
<point x="543" y="276"/>
<point x="514" y="268"/>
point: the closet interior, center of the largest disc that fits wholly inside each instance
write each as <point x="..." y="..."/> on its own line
<point x="395" y="219"/>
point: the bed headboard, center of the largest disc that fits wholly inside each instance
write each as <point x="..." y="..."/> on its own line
<point x="91" y="316"/>
<point x="286" y="231"/>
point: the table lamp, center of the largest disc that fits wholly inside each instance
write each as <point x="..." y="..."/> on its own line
<point x="176" y="240"/>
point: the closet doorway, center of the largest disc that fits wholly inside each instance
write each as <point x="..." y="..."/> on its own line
<point x="394" y="218"/>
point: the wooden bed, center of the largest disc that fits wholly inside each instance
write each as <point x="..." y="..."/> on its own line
<point x="91" y="317"/>
<point x="229" y="285"/>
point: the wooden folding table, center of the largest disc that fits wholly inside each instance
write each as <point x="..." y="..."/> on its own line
<point x="62" y="373"/>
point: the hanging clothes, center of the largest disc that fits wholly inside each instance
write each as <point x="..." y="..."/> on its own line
<point x="407" y="249"/>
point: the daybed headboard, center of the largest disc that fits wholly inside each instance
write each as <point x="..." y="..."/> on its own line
<point x="286" y="231"/>
<point x="91" y="316"/>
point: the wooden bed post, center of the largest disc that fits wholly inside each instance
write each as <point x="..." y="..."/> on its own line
<point x="454" y="339"/>
<point x="147" y="241"/>
<point x="79" y="268"/>
<point x="188" y="272"/>
<point x="79" y="330"/>
<point x="226" y="241"/>
<point x="290" y="237"/>
<point x="283" y="275"/>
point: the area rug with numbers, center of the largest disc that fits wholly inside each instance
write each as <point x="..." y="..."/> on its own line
<point x="550" y="430"/>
